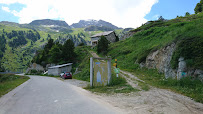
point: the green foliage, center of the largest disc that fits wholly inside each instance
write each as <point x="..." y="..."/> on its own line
<point x="68" y="51"/>
<point x="187" y="14"/>
<point x="102" y="46"/>
<point x="188" y="86"/>
<point x="192" y="51"/>
<point x="117" y="85"/>
<point x="117" y="80"/>
<point x="155" y="35"/>
<point x="199" y="7"/>
<point x="19" y="37"/>
<point x="82" y="63"/>
<point x="2" y="45"/>
<point x="55" y="53"/>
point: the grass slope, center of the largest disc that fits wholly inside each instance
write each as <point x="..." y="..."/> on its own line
<point x="186" y="32"/>
<point x="158" y="34"/>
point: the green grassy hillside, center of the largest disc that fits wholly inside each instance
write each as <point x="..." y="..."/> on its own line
<point x="18" y="52"/>
<point x="187" y="32"/>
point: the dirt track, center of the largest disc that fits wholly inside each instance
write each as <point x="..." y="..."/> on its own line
<point x="158" y="101"/>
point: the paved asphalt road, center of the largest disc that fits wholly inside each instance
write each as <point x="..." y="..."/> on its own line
<point x="46" y="95"/>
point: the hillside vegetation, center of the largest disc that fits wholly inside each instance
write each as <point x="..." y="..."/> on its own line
<point x="19" y="43"/>
<point x="187" y="32"/>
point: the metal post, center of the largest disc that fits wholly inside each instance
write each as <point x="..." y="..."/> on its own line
<point x="91" y="72"/>
<point x="109" y="71"/>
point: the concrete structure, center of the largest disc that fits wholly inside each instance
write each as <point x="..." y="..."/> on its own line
<point x="100" y="72"/>
<point x="110" y="36"/>
<point x="56" y="70"/>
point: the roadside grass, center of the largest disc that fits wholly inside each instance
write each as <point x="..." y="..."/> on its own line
<point x="187" y="86"/>
<point x="10" y="81"/>
<point x="143" y="85"/>
<point x="117" y="85"/>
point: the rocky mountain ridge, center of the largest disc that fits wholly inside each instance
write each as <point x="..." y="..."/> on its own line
<point x="100" y="23"/>
<point x="50" y="23"/>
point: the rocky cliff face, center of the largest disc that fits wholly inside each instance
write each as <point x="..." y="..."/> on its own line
<point x="160" y="59"/>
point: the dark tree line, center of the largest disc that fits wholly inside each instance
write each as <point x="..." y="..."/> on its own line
<point x="2" y="45"/>
<point x="20" y="37"/>
<point x="54" y="52"/>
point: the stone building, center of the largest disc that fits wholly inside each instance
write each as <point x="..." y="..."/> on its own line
<point x="110" y="36"/>
<point x="57" y="70"/>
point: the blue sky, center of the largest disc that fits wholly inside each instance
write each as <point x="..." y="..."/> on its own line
<point x="170" y="9"/>
<point x="7" y="16"/>
<point x="122" y="13"/>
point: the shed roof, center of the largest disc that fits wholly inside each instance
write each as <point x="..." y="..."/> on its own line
<point x="102" y="34"/>
<point x="58" y="66"/>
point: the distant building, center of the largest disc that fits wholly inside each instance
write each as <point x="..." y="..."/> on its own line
<point x="56" y="70"/>
<point x="110" y="36"/>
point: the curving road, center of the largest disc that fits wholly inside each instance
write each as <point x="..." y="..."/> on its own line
<point x="46" y="95"/>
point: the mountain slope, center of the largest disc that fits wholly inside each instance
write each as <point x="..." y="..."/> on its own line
<point x="185" y="32"/>
<point x="49" y="22"/>
<point x="86" y="23"/>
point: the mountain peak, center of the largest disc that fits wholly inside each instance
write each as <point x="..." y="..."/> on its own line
<point x="50" y="22"/>
<point x="92" y="22"/>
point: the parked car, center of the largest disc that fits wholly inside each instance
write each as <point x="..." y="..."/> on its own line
<point x="66" y="75"/>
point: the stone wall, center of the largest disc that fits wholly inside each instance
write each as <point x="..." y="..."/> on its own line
<point x="111" y="37"/>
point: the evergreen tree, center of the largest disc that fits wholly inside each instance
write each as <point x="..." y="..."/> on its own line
<point x="68" y="51"/>
<point x="49" y="45"/>
<point x="102" y="46"/>
<point x="199" y="7"/>
<point x="55" y="54"/>
<point x="187" y="14"/>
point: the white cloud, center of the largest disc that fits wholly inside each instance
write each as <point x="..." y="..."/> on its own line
<point x="5" y="9"/>
<point x="122" y="13"/>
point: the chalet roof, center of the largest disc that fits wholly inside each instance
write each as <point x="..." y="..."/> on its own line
<point x="102" y="34"/>
<point x="58" y="66"/>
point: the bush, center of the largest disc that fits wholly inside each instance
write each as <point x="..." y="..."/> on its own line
<point x="192" y="51"/>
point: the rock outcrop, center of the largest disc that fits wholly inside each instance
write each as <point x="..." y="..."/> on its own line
<point x="160" y="59"/>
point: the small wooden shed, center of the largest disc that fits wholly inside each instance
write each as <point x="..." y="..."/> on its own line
<point x="57" y="70"/>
